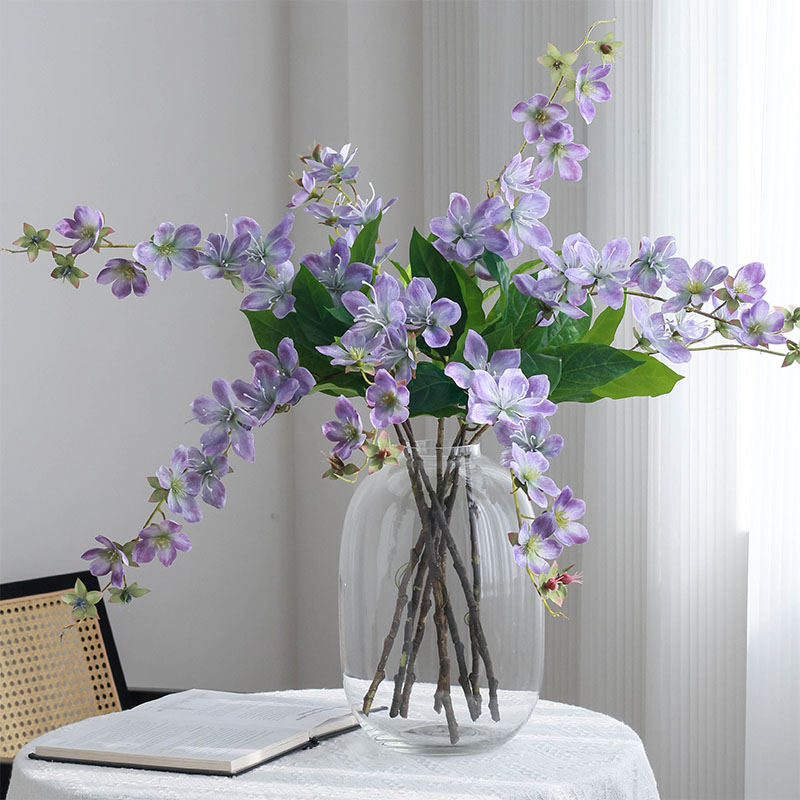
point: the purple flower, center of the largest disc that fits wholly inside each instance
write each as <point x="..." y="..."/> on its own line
<point x="388" y="401"/>
<point x="268" y="390"/>
<point x="109" y="558"/>
<point x="536" y="543"/>
<point x="693" y="286"/>
<point x="354" y="351"/>
<point x="386" y="308"/>
<point x="476" y="354"/>
<point x="760" y="326"/>
<point x="562" y="151"/>
<point x="272" y="292"/>
<point x="308" y="185"/>
<point x="226" y="418"/>
<point x="548" y="291"/>
<point x="334" y="166"/>
<point x="589" y="89"/>
<point x="336" y="215"/>
<point x="170" y="248"/>
<point x="434" y="318"/>
<point x="126" y="275"/>
<point x="516" y="178"/>
<point x="211" y="469"/>
<point x="86" y="227"/>
<point x="182" y="486"/>
<point x="532" y="434"/>
<point x="396" y="353"/>
<point x="566" y="509"/>
<point x="541" y="117"/>
<point x="287" y="364"/>
<point x="220" y="257"/>
<point x="163" y="539"/>
<point x="607" y="271"/>
<point x="656" y="334"/>
<point x="553" y="281"/>
<point x="510" y="397"/>
<point x="470" y="232"/>
<point x="529" y="467"/>
<point x="347" y="432"/>
<point x="655" y="260"/>
<point x="274" y="249"/>
<point x="687" y="328"/>
<point x="335" y="272"/>
<point x="522" y="221"/>
<point x="745" y="287"/>
<point x="363" y="211"/>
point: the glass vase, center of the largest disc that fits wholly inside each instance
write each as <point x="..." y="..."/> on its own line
<point x="441" y="631"/>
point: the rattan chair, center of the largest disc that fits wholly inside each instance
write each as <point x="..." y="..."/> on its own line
<point x="50" y="676"/>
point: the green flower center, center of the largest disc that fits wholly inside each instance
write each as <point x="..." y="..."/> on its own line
<point x="755" y="327"/>
<point x="531" y="474"/>
<point x="695" y="286"/>
<point x="541" y="116"/>
<point x="387" y="399"/>
<point x="740" y="288"/>
<point x="161" y="542"/>
<point x="129" y="273"/>
<point x="562" y="520"/>
<point x="166" y="249"/>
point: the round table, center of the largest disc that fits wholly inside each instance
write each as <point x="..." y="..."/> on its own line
<point x="562" y="753"/>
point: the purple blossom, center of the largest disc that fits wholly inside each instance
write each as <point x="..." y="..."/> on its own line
<point x="334" y="271"/>
<point x="541" y="117"/>
<point x="687" y="328"/>
<point x="334" y="215"/>
<point x="272" y="292"/>
<point x="563" y="151"/>
<point x="354" y="351"/>
<point x="553" y="282"/>
<point x="656" y="334"/>
<point x="529" y="467"/>
<point x="388" y="401"/>
<point x="86" y="227"/>
<point x="346" y="430"/>
<point x="287" y="364"/>
<point x="308" y="186"/>
<point x="693" y="286"/>
<point x="334" y="166"/>
<point x="268" y="390"/>
<point x="590" y="89"/>
<point x="760" y="326"/>
<point x="434" y="318"/>
<point x="170" y="248"/>
<point x="470" y="232"/>
<point x="744" y="287"/>
<point x="395" y="352"/>
<point x="564" y="513"/>
<point x="226" y="418"/>
<point x="363" y="211"/>
<point x="549" y="294"/>
<point x="385" y="308"/>
<point x="532" y="434"/>
<point x="109" y="558"/>
<point x="516" y="178"/>
<point x="536" y="543"/>
<point x="655" y="260"/>
<point x="476" y="354"/>
<point x="163" y="539"/>
<point x="182" y="486"/>
<point x="274" y="249"/>
<point x="522" y="222"/>
<point x="220" y="257"/>
<point x="211" y="469"/>
<point x="607" y="271"/>
<point x="510" y="397"/>
<point x="124" y="276"/>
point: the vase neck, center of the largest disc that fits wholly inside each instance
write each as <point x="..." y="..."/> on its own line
<point x="427" y="450"/>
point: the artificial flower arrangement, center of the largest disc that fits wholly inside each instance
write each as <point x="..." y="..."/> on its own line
<point x="453" y="333"/>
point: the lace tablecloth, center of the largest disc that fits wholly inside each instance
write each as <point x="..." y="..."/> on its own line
<point x="563" y="753"/>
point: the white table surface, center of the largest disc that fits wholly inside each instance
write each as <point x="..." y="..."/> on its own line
<point x="562" y="753"/>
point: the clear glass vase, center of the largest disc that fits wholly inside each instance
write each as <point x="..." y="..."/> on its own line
<point x="441" y="632"/>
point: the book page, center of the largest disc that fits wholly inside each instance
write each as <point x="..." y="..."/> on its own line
<point x="198" y="724"/>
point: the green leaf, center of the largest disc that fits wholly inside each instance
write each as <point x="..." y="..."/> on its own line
<point x="605" y="326"/>
<point x="564" y="330"/>
<point x="500" y="339"/>
<point x="541" y="364"/>
<point x="363" y="249"/>
<point x="311" y="309"/>
<point x="451" y="282"/>
<point x="157" y="495"/>
<point x="346" y="387"/>
<point x="153" y="481"/>
<point x="341" y="315"/>
<point x="651" y="379"/>
<point x="29" y="230"/>
<point x="587" y="366"/>
<point x="433" y="393"/>
<point x="93" y="597"/>
<point x="498" y="269"/>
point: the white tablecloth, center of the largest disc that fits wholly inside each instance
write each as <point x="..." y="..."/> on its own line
<point x="563" y="753"/>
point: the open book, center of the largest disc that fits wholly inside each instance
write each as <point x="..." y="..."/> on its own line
<point x="219" y="733"/>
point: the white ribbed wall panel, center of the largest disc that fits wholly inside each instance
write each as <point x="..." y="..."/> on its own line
<point x="694" y="690"/>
